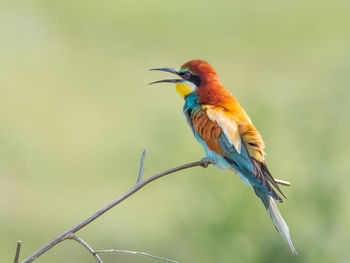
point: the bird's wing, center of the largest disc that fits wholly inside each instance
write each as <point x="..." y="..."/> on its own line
<point x="221" y="133"/>
<point x="227" y="124"/>
<point x="207" y="129"/>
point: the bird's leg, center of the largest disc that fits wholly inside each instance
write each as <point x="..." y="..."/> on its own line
<point x="205" y="162"/>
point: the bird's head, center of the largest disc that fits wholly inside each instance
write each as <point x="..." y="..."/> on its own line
<point x="193" y="75"/>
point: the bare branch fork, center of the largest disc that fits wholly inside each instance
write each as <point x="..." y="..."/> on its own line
<point x="70" y="233"/>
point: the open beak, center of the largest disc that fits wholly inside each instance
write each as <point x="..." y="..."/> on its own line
<point x="171" y="70"/>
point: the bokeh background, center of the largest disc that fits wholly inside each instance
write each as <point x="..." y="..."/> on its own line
<point x="76" y="113"/>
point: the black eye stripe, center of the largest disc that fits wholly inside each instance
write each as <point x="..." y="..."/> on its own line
<point x="193" y="78"/>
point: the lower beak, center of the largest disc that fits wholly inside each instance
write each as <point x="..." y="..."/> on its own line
<point x="171" y="70"/>
<point x="167" y="81"/>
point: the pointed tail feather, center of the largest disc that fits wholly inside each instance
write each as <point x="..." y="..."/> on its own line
<point x="276" y="217"/>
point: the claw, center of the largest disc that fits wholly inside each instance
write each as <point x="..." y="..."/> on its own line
<point x="205" y="162"/>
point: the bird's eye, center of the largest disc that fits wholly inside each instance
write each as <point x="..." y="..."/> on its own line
<point x="187" y="75"/>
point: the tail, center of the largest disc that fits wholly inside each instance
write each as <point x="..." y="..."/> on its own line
<point x="276" y="217"/>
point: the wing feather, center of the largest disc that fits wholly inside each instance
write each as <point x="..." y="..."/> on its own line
<point x="208" y="130"/>
<point x="221" y="133"/>
<point x="227" y="123"/>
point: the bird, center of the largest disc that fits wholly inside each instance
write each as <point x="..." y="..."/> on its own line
<point x="227" y="134"/>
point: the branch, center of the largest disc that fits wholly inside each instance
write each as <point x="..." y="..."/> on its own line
<point x="86" y="245"/>
<point x="68" y="233"/>
<point x="281" y="182"/>
<point x="134" y="253"/>
<point x="100" y="251"/>
<point x="139" y="177"/>
<point x="18" y="250"/>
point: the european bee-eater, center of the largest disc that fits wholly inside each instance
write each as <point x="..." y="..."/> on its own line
<point x="226" y="133"/>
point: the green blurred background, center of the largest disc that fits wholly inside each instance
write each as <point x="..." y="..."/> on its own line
<point x="76" y="113"/>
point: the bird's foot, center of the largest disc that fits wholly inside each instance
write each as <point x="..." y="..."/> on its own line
<point x="205" y="162"/>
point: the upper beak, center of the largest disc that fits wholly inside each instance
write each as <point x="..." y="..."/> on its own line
<point x="171" y="70"/>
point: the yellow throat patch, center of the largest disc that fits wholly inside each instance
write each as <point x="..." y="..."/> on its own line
<point x="183" y="89"/>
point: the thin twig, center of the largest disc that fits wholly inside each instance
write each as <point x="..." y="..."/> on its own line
<point x="18" y="250"/>
<point x="282" y="182"/>
<point x="66" y="234"/>
<point x="139" y="177"/>
<point x="134" y="253"/>
<point x="87" y="246"/>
